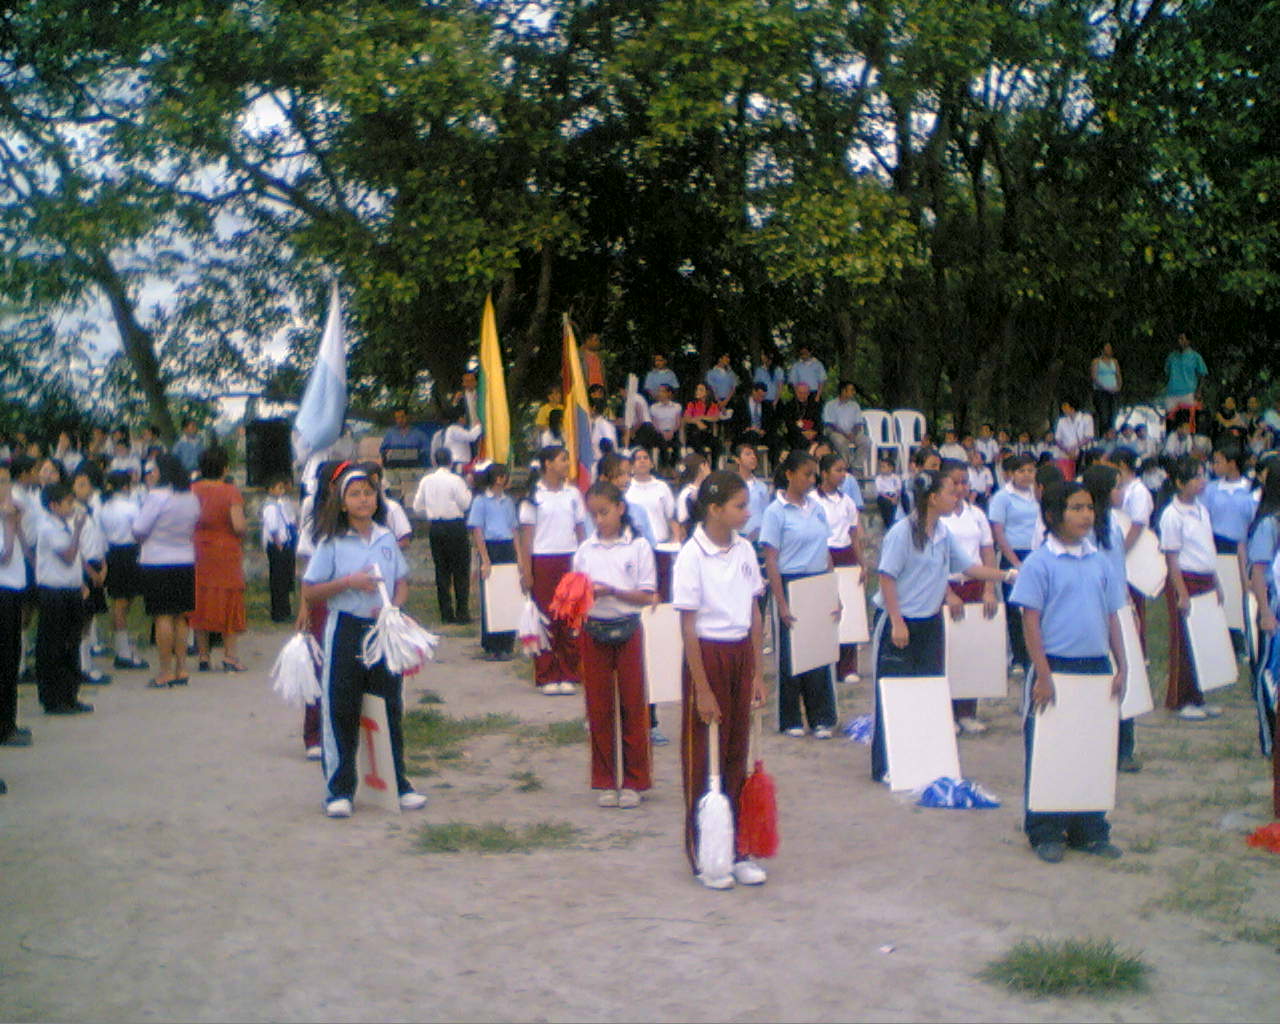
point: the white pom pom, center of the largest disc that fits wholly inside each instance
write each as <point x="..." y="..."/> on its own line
<point x="532" y="630"/>
<point x="293" y="676"/>
<point x="399" y="641"/>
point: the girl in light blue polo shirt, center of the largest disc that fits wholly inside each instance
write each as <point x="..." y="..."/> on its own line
<point x="1014" y="513"/>
<point x="918" y="555"/>
<point x="1263" y="556"/>
<point x="353" y="550"/>
<point x="1069" y="596"/>
<point x="492" y="522"/>
<point x="793" y="537"/>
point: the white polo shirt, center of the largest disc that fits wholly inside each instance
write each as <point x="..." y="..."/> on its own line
<point x="54" y="535"/>
<point x="554" y="516"/>
<point x="13" y="573"/>
<point x="625" y="563"/>
<point x="655" y="497"/>
<point x="971" y="529"/>
<point x="684" y="503"/>
<point x="842" y="517"/>
<point x="720" y="584"/>
<point x="1136" y="502"/>
<point x="665" y="416"/>
<point x="1186" y="530"/>
<point x="115" y="519"/>
<point x="442" y="494"/>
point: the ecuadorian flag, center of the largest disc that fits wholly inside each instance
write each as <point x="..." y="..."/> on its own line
<point x="495" y="414"/>
<point x="324" y="402"/>
<point x="577" y="415"/>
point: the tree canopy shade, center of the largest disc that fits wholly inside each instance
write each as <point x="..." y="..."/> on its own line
<point x="954" y="203"/>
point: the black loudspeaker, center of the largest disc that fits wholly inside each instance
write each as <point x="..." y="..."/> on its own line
<point x="268" y="451"/>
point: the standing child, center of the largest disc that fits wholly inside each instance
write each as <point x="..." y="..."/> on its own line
<point x="1186" y="538"/>
<point x="1014" y="513"/>
<point x="93" y="555"/>
<point x="693" y="470"/>
<point x="1069" y="596"/>
<point x="844" y="540"/>
<point x="620" y="565"/>
<point x="124" y="579"/>
<point x="1264" y="549"/>
<point x="888" y="490"/>
<point x="60" y="590"/>
<point x="13" y="585"/>
<point x="1231" y="504"/>
<point x="1135" y="502"/>
<point x="979" y="479"/>
<point x="353" y="552"/>
<point x="917" y="556"/>
<point x="492" y="521"/>
<point x="659" y="504"/>
<point x="716" y="586"/>
<point x="551" y="528"/>
<point x="280" y="540"/>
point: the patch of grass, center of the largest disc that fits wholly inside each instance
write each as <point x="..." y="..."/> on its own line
<point x="1265" y="933"/>
<point x="526" y="782"/>
<point x="430" y="697"/>
<point x="435" y="730"/>
<point x="558" y="734"/>
<point x="494" y="837"/>
<point x="1144" y="844"/>
<point x="1070" y="967"/>
<point x="1217" y="892"/>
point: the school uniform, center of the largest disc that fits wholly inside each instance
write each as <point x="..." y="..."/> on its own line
<point x="1186" y="530"/>
<point x="115" y="519"/>
<point x="970" y="528"/>
<point x="799" y="534"/>
<point x="721" y="585"/>
<point x="494" y="516"/>
<point x="1018" y="513"/>
<point x="555" y="517"/>
<point x="1076" y="591"/>
<point x="1231" y="505"/>
<point x="842" y="520"/>
<point x="1264" y="549"/>
<point x="888" y="491"/>
<point x="93" y="555"/>
<point x="758" y="499"/>
<point x="166" y="526"/>
<point x="1136" y="503"/>
<point x="980" y="484"/>
<point x="659" y="504"/>
<point x="921" y="578"/>
<point x="280" y="541"/>
<point x="626" y="563"/>
<point x="61" y="617"/>
<point x="13" y="586"/>
<point x="1114" y="553"/>
<point x="317" y="617"/>
<point x="345" y="678"/>
<point x="443" y="498"/>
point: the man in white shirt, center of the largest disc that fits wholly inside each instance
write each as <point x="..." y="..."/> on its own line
<point x="443" y="499"/>
<point x="846" y="430"/>
<point x="665" y="415"/>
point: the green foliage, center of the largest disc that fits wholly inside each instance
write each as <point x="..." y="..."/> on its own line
<point x="432" y="730"/>
<point x="558" y="734"/>
<point x="494" y="837"/>
<point x="1069" y="967"/>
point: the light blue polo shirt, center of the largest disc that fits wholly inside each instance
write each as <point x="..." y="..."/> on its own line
<point x="921" y="573"/>
<point x="799" y="535"/>
<point x="654" y="379"/>
<point x="721" y="382"/>
<point x="1264" y="544"/>
<point x="1115" y="555"/>
<point x="1074" y="592"/>
<point x="808" y="371"/>
<point x="336" y="557"/>
<point x="494" y="516"/>
<point x="1018" y="513"/>
<point x="640" y="524"/>
<point x="1231" y="507"/>
<point x="772" y="378"/>
<point x="851" y="488"/>
<point x="758" y="499"/>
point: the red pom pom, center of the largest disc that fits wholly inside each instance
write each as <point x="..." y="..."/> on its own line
<point x="758" y="815"/>
<point x="1267" y="837"/>
<point x="573" y="599"/>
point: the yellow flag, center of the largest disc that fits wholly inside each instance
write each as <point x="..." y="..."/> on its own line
<point x="495" y="414"/>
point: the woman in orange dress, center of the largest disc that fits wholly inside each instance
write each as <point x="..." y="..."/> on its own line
<point x="219" y="561"/>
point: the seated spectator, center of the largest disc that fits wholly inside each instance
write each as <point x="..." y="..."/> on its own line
<point x="846" y="429"/>
<point x="667" y="418"/>
<point x="660" y="374"/>
<point x="702" y="422"/>
<point x="799" y="417"/>
<point x="404" y="446"/>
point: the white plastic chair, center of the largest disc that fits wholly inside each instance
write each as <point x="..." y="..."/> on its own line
<point x="909" y="427"/>
<point x="881" y="433"/>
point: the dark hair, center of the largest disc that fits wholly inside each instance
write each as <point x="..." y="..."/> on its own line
<point x="116" y="481"/>
<point x="845" y="384"/>
<point x="923" y="484"/>
<point x="331" y="519"/>
<point x="490" y="475"/>
<point x="442" y="457"/>
<point x="689" y="467"/>
<point x="1053" y="503"/>
<point x="1230" y="451"/>
<point x="796" y="458"/>
<point x="1016" y="461"/>
<point x="949" y="466"/>
<point x="1047" y="474"/>
<point x="279" y="478"/>
<point x="172" y="472"/>
<point x="716" y="489"/>
<point x="604" y="489"/>
<point x="1100" y="481"/>
<point x="90" y="469"/>
<point x="1125" y="456"/>
<point x="609" y="464"/>
<point x="54" y="493"/>
<point x="189" y="422"/>
<point x="555" y="422"/>
<point x="213" y="463"/>
<point x="544" y="455"/>
<point x="829" y="462"/>
<point x="20" y="464"/>
<point x="1269" y="499"/>
<point x="737" y="448"/>
<point x="921" y="455"/>
<point x="1185" y="469"/>
<point x="889" y="456"/>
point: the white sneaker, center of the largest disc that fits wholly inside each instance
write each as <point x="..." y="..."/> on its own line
<point x="550" y="690"/>
<point x="565" y="689"/>
<point x="1191" y="713"/>
<point x="748" y="872"/>
<point x="721" y="882"/>
<point x="607" y="798"/>
<point x="1211" y="710"/>
<point x="412" y="801"/>
<point x="628" y="798"/>
<point x="853" y="677"/>
<point x="314" y="753"/>
<point x="971" y="726"/>
<point x="796" y="731"/>
<point x="820" y="733"/>
<point x="340" y="808"/>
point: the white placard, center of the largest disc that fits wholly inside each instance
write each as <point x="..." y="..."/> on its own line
<point x="375" y="768"/>
<point x="1144" y="565"/>
<point x="503" y="599"/>
<point x="919" y="732"/>
<point x="1137" y="694"/>
<point x="1211" y="651"/>
<point x="853" y="601"/>
<point x="1254" y="631"/>
<point x="1073" y="755"/>
<point x="1232" y="590"/>
<point x="815" y="635"/>
<point x="663" y="652"/>
<point x="977" y="653"/>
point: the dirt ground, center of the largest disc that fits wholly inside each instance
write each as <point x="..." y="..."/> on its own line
<point x="166" y="858"/>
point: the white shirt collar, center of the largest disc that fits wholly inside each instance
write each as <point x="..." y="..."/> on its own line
<point x="709" y="546"/>
<point x="625" y="537"/>
<point x="1056" y="547"/>
<point x="378" y="531"/>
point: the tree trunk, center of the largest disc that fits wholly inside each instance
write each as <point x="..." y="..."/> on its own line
<point x="537" y="323"/>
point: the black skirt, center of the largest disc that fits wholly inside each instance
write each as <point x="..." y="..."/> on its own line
<point x="169" y="589"/>
<point x="124" y="578"/>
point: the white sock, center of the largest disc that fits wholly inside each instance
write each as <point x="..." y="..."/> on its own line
<point x="86" y="660"/>
<point x="124" y="649"/>
<point x="93" y="632"/>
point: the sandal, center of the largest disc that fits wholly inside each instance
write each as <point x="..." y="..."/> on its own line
<point x="232" y="666"/>
<point x="157" y="684"/>
<point x="180" y="681"/>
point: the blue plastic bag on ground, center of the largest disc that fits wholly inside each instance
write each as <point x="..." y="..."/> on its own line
<point x="961" y="793"/>
<point x="859" y="730"/>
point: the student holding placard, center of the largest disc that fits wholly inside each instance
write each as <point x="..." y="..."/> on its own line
<point x="794" y="537"/>
<point x="1263" y="552"/>
<point x="1186" y="538"/>
<point x="716" y="586"/>
<point x="1014" y="513"/>
<point x="844" y="539"/>
<point x="1136" y="503"/>
<point x="354" y="553"/>
<point x="620" y="565"/>
<point x="1069" y="595"/>
<point x="969" y="527"/>
<point x="1103" y="484"/>
<point x="1231" y="504"/>
<point x="551" y="528"/>
<point x="917" y="556"/>
<point x="492" y="522"/>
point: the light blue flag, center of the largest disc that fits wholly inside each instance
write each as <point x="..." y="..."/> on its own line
<point x="324" y="402"/>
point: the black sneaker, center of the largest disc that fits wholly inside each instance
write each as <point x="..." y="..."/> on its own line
<point x="17" y="738"/>
<point x="1050" y="852"/>
<point x="79" y="708"/>
<point x="129" y="664"/>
